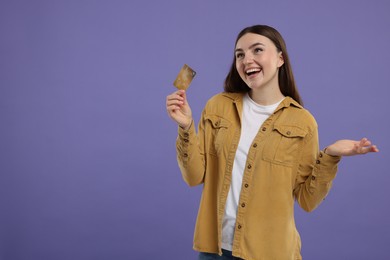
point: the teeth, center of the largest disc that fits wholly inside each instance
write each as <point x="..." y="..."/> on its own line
<point x="252" y="70"/>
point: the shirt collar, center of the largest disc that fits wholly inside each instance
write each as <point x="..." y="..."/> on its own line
<point x="287" y="101"/>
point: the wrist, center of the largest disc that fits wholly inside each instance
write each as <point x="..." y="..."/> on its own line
<point x="328" y="151"/>
<point x="326" y="148"/>
<point x="186" y="127"/>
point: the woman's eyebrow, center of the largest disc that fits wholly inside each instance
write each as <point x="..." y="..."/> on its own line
<point x="250" y="47"/>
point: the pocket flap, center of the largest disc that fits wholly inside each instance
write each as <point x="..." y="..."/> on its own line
<point x="217" y="122"/>
<point x="290" y="131"/>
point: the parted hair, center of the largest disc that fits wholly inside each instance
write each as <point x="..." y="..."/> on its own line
<point x="233" y="81"/>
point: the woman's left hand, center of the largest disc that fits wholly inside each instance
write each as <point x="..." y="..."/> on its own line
<point x="351" y="147"/>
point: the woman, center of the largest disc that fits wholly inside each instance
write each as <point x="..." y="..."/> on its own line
<point x="256" y="151"/>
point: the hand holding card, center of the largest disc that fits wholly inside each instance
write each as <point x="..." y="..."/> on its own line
<point x="184" y="78"/>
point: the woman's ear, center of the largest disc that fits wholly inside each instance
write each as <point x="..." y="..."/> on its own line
<point x="280" y="60"/>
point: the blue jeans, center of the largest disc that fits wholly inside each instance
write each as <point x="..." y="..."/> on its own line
<point x="226" y="255"/>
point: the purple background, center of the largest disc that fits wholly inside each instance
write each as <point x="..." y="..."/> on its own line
<point x="87" y="159"/>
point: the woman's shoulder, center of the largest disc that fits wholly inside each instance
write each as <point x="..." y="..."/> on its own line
<point x="296" y="114"/>
<point x="224" y="98"/>
<point x="222" y="103"/>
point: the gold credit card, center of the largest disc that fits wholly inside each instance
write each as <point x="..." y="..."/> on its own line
<point x="184" y="78"/>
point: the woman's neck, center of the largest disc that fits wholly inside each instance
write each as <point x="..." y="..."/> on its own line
<point x="266" y="97"/>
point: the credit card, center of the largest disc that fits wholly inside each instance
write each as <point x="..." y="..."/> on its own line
<point x="184" y="78"/>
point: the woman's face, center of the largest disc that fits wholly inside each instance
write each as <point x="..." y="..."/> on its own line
<point x="258" y="61"/>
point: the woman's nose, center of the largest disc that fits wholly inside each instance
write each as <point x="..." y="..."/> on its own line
<point x="248" y="59"/>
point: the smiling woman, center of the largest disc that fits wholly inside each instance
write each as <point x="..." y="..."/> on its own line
<point x="257" y="63"/>
<point x="266" y="45"/>
<point x="256" y="152"/>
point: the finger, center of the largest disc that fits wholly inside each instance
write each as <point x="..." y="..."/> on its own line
<point x="366" y="142"/>
<point x="181" y="92"/>
<point x="174" y="96"/>
<point x="174" y="99"/>
<point x="369" y="149"/>
<point x="183" y="95"/>
<point x="178" y="94"/>
<point x="363" y="145"/>
<point x="363" y="141"/>
<point x="172" y="108"/>
<point x="174" y="102"/>
<point x="374" y="149"/>
<point x="358" y="147"/>
<point x="364" y="150"/>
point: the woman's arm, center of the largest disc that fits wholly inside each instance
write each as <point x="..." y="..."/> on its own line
<point x="317" y="169"/>
<point x="189" y="144"/>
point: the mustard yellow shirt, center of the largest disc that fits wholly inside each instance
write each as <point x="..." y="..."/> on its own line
<point x="283" y="164"/>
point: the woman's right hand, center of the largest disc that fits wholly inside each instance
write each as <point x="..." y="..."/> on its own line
<point x="178" y="109"/>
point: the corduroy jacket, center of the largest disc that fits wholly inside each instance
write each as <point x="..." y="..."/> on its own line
<point x="283" y="164"/>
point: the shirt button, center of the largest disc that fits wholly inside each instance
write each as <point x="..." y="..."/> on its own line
<point x="185" y="155"/>
<point x="288" y="133"/>
<point x="239" y="226"/>
<point x="186" y="140"/>
<point x="255" y="145"/>
<point x="313" y="177"/>
<point x="246" y="185"/>
<point x="249" y="166"/>
<point x="264" y="129"/>
<point x="318" y="162"/>
<point x="320" y="155"/>
<point x="243" y="205"/>
<point x="186" y="134"/>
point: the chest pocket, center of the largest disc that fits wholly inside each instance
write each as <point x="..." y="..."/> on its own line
<point x="283" y="145"/>
<point x="216" y="133"/>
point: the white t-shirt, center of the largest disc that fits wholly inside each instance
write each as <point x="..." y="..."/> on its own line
<point x="253" y="116"/>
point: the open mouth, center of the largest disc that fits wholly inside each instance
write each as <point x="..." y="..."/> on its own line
<point x="252" y="72"/>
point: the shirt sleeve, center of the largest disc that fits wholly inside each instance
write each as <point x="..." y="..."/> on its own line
<point x="316" y="173"/>
<point x="190" y="154"/>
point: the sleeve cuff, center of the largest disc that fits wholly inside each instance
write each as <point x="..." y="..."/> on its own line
<point x="327" y="166"/>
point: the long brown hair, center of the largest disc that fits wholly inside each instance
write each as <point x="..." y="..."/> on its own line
<point x="233" y="81"/>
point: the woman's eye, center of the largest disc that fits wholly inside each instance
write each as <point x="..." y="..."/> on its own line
<point x="239" y="55"/>
<point x="258" y="50"/>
